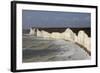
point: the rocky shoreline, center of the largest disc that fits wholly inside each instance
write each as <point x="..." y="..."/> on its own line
<point x="81" y="38"/>
<point x="53" y="50"/>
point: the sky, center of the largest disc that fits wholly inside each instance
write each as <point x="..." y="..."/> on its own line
<point x="55" y="19"/>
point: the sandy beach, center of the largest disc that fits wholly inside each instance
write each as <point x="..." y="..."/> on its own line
<point x="36" y="49"/>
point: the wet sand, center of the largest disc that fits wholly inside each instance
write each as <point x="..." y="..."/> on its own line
<point x="36" y="49"/>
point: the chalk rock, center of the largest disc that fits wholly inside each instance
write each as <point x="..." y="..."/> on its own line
<point x="62" y="35"/>
<point x="81" y="37"/>
<point x="87" y="43"/>
<point x="32" y="31"/>
<point x="68" y="35"/>
<point x="56" y="35"/>
<point x="39" y="34"/>
<point x="75" y="38"/>
<point x="45" y="34"/>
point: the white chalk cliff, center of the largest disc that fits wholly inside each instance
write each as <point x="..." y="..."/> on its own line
<point x="56" y="35"/>
<point x="39" y="33"/>
<point x="45" y="34"/>
<point x="82" y="38"/>
<point x="68" y="35"/>
<point x="32" y="31"/>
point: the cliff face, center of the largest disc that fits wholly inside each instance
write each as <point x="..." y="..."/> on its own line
<point x="82" y="38"/>
<point x="32" y="31"/>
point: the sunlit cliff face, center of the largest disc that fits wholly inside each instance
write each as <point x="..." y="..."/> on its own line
<point x="82" y="38"/>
